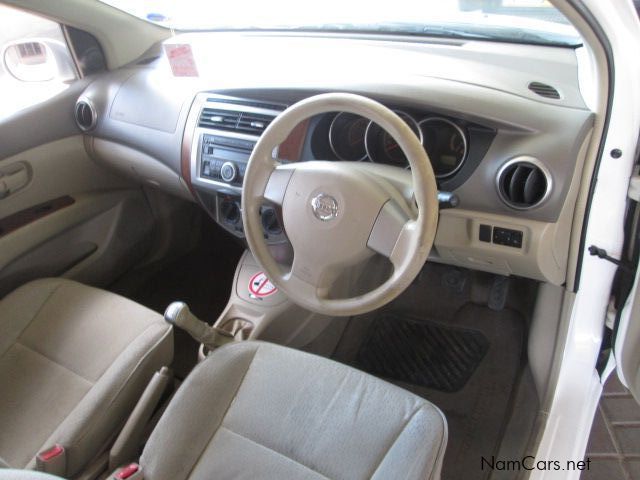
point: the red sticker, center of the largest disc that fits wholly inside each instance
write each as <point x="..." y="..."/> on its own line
<point x="181" y="60"/>
<point x="260" y="286"/>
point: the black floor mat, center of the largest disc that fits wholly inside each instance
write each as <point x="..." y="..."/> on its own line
<point x="424" y="353"/>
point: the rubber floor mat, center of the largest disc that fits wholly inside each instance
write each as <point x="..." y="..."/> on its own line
<point x="421" y="352"/>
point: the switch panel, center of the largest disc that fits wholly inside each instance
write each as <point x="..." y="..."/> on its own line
<point x="507" y="237"/>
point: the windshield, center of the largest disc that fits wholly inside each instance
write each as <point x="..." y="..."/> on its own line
<point x="524" y="21"/>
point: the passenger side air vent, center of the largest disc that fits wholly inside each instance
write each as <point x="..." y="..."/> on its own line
<point x="231" y="120"/>
<point x="524" y="183"/>
<point x="85" y="115"/>
<point x="544" y="90"/>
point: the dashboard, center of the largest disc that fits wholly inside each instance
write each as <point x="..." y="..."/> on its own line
<point x="510" y="153"/>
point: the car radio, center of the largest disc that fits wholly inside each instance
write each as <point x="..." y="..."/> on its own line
<point x="224" y="159"/>
<point x="225" y="131"/>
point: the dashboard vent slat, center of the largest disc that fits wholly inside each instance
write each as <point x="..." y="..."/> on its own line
<point x="253" y="123"/>
<point x="220" y="119"/>
<point x="523" y="184"/>
<point x="234" y="121"/>
<point x="248" y="103"/>
<point x="534" y="187"/>
<point x="544" y="90"/>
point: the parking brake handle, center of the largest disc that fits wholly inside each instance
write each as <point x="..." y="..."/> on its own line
<point x="179" y="315"/>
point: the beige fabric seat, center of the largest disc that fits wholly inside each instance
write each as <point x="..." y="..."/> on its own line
<point x="259" y="411"/>
<point x="73" y="362"/>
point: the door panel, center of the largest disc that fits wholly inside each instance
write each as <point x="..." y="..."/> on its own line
<point x="13" y="178"/>
<point x="58" y="168"/>
<point x="71" y="217"/>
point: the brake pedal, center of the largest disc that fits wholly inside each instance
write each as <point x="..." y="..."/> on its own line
<point x="498" y="293"/>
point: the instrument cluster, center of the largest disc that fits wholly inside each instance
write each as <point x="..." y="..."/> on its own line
<point x="355" y="138"/>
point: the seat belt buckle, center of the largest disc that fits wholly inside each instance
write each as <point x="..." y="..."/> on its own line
<point x="133" y="471"/>
<point x="52" y="460"/>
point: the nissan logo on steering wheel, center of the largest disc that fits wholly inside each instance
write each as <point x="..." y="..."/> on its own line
<point x="324" y="207"/>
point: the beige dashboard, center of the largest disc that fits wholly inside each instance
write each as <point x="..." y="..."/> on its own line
<point x="149" y="127"/>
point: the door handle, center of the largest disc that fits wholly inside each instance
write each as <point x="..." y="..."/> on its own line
<point x="13" y="178"/>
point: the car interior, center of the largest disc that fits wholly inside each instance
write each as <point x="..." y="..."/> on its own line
<point x="285" y="254"/>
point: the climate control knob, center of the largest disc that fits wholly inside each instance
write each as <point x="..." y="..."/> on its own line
<point x="270" y="223"/>
<point x="230" y="211"/>
<point x="228" y="172"/>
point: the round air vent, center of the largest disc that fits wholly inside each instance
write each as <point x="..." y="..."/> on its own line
<point x="85" y="115"/>
<point x="524" y="183"/>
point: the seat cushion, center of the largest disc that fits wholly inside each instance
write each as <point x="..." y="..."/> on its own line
<point x="256" y="410"/>
<point x="11" y="474"/>
<point x="73" y="362"/>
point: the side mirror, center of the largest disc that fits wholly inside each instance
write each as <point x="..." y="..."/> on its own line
<point x="38" y="60"/>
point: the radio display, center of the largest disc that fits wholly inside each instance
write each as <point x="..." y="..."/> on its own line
<point x="229" y="155"/>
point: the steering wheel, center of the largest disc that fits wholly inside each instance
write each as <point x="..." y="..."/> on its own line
<point x="338" y="214"/>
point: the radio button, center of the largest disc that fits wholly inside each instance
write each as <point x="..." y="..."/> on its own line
<point x="206" y="169"/>
<point x="228" y="172"/>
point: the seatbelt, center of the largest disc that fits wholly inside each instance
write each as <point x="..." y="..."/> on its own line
<point x="53" y="460"/>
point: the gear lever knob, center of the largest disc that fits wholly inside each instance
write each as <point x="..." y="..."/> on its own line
<point x="179" y="315"/>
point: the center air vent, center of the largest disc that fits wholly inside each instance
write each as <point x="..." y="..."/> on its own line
<point x="85" y="115"/>
<point x="234" y="121"/>
<point x="544" y="90"/>
<point x="524" y="183"/>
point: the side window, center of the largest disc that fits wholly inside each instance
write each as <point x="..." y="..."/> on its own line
<point x="35" y="60"/>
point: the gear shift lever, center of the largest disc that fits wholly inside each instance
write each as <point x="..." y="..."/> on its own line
<point x="179" y="315"/>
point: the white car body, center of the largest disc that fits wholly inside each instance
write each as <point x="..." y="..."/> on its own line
<point x="573" y="403"/>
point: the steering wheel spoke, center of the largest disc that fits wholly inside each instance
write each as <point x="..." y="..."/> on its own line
<point x="393" y="234"/>
<point x="405" y="246"/>
<point x="277" y="184"/>
<point x="387" y="229"/>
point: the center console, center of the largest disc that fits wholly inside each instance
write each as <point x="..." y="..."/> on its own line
<point x="258" y="310"/>
<point x="223" y="131"/>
